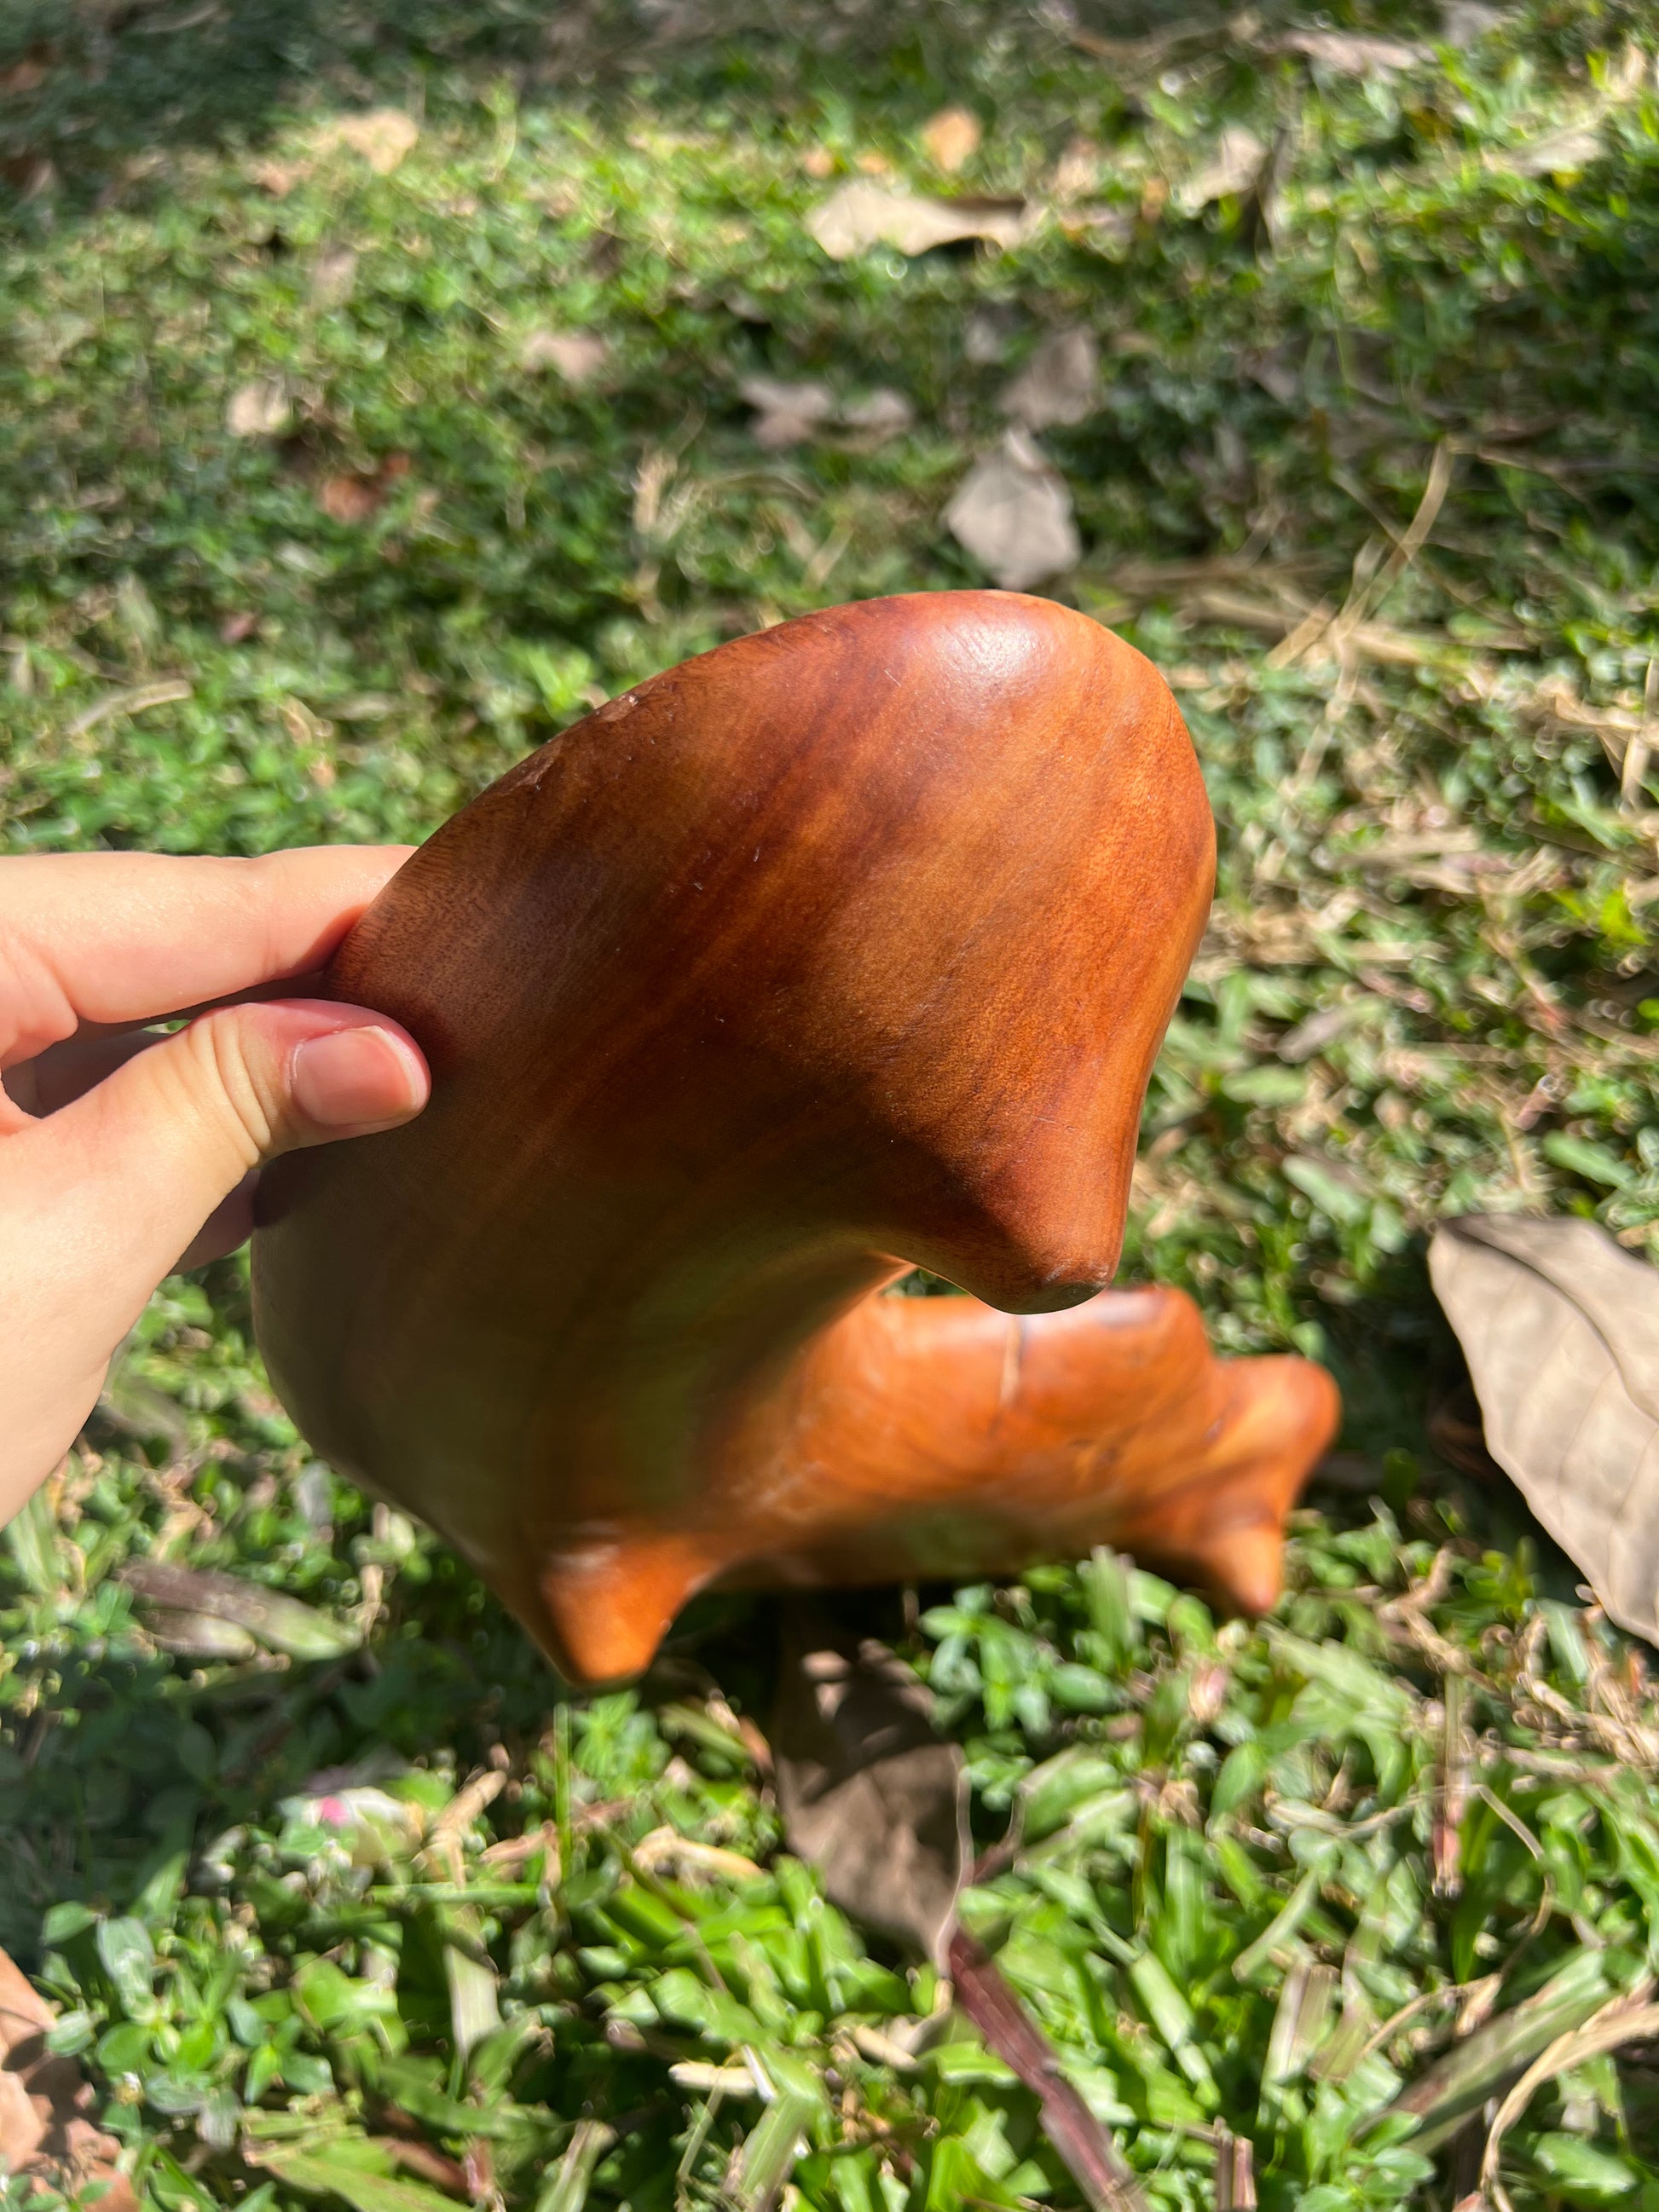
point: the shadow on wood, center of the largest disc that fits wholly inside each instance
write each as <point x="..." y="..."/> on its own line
<point x="843" y="948"/>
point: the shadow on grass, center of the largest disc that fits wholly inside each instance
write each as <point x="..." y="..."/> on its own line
<point x="88" y="90"/>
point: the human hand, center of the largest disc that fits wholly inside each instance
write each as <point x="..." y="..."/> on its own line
<point x="124" y="1156"/>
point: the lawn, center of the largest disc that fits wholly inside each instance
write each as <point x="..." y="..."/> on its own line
<point x="371" y="406"/>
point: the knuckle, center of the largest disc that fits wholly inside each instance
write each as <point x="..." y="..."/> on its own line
<point x="232" y="1086"/>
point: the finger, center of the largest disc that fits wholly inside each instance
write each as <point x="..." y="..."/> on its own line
<point x="65" y="1072"/>
<point x="114" y="937"/>
<point x="99" y="1200"/>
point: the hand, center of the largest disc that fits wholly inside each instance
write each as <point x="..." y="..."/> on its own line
<point x="124" y="1156"/>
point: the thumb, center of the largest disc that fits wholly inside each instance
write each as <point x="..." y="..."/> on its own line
<point x="99" y="1200"/>
<point x="127" y="1174"/>
<point x="191" y="1115"/>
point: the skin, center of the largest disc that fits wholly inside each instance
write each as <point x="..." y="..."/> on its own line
<point x="127" y="1153"/>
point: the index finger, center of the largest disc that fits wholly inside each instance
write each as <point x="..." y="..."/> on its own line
<point x="119" y="937"/>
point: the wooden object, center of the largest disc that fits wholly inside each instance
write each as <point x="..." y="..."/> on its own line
<point x="843" y="948"/>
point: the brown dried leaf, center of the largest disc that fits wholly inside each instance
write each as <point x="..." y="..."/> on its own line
<point x="333" y="276"/>
<point x="1556" y="154"/>
<point x="279" y="177"/>
<point x="952" y="139"/>
<point x="46" y="2101"/>
<point x="1077" y="172"/>
<point x="1561" y="1331"/>
<point x="860" y="215"/>
<point x="880" y="414"/>
<point x="791" y="413"/>
<point x="1464" y="22"/>
<point x="282" y="1623"/>
<point x="1232" y="168"/>
<point x="1349" y="53"/>
<point x="381" y="137"/>
<point x="258" y="408"/>
<point x="869" y="1795"/>
<point x="28" y="74"/>
<point x="1060" y="383"/>
<point x="1624" y="2018"/>
<point x="1014" y="512"/>
<point x="578" y="355"/>
<point x="349" y="499"/>
<point x="200" y="1636"/>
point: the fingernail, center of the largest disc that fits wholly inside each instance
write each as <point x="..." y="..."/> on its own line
<point x="359" y="1078"/>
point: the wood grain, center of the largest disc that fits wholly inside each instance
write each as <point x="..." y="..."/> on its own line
<point x="843" y="948"/>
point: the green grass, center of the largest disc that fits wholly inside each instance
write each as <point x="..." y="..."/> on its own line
<point x="1427" y="986"/>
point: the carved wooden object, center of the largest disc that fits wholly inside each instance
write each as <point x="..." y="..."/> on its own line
<point x="842" y="949"/>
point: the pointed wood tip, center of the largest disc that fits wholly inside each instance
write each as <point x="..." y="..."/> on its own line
<point x="602" y="1611"/>
<point x="1228" y="1535"/>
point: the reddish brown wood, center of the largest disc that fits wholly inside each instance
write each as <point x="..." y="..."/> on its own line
<point x="843" y="948"/>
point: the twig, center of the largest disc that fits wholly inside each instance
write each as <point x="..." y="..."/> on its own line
<point x="1085" y="2146"/>
<point x="1235" y="2173"/>
<point x="1623" y="2019"/>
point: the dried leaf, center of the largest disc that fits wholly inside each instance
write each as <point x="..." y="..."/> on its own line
<point x="952" y="139"/>
<point x="200" y="1636"/>
<point x="279" y="177"/>
<point x="1557" y="154"/>
<point x="860" y="215"/>
<point x="1464" y="22"/>
<point x="280" y="1622"/>
<point x="46" y="2103"/>
<point x="1348" y="53"/>
<point x="1077" y="172"/>
<point x="579" y="356"/>
<point x="1232" y="168"/>
<point x="1060" y="383"/>
<point x="26" y="75"/>
<point x="1091" y="2155"/>
<point x="869" y="1795"/>
<point x="333" y="276"/>
<point x="1622" y="2020"/>
<point x="381" y="137"/>
<point x="665" y="1850"/>
<point x="137" y="701"/>
<point x="882" y="413"/>
<point x="1014" y="512"/>
<point x="349" y="499"/>
<point x="1486" y="2060"/>
<point x="258" y="409"/>
<point x="988" y="332"/>
<point x="791" y="413"/>
<point x="1561" y="1331"/>
<point x="25" y="2016"/>
<point x="1235" y="2173"/>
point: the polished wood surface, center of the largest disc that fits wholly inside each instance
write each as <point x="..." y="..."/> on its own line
<point x="843" y="948"/>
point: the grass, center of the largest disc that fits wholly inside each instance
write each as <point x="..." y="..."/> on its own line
<point x="1427" y="986"/>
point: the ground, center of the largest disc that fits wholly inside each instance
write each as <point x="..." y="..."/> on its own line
<point x="370" y="406"/>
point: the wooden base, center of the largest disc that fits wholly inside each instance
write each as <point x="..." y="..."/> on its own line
<point x="937" y="1438"/>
